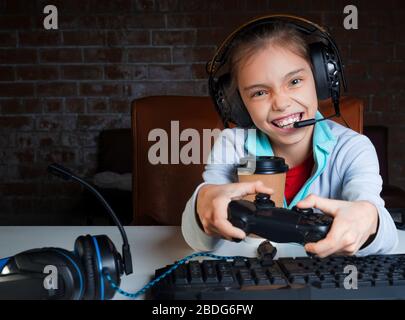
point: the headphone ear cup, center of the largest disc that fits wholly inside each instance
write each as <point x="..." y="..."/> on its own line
<point x="239" y="114"/>
<point x="85" y="250"/>
<point x="217" y="92"/>
<point x="322" y="68"/>
<point x="230" y="104"/>
<point x="70" y="276"/>
<point x="73" y="263"/>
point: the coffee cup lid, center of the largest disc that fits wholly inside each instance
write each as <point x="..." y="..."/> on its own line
<point x="263" y="165"/>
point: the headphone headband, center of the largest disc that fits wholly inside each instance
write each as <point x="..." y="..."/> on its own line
<point x="308" y="27"/>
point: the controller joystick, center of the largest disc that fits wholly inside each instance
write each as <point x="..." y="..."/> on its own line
<point x="263" y="200"/>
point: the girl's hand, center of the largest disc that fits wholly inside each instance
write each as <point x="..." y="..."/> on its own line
<point x="354" y="222"/>
<point x="212" y="206"/>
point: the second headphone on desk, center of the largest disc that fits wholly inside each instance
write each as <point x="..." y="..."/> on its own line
<point x="325" y="58"/>
<point x="81" y="274"/>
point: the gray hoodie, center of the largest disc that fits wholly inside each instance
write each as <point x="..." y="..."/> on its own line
<point x="346" y="168"/>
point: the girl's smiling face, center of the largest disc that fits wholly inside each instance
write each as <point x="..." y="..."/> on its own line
<point x="278" y="89"/>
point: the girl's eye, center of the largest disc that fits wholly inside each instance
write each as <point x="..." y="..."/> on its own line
<point x="259" y="93"/>
<point x="296" y="81"/>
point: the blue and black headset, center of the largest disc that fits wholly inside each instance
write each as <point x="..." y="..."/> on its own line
<point x="81" y="274"/>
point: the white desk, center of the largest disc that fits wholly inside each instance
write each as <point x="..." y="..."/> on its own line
<point x="151" y="247"/>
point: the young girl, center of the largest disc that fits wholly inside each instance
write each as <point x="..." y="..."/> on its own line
<point x="272" y="71"/>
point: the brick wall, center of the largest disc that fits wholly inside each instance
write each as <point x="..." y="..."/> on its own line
<point x="60" y="88"/>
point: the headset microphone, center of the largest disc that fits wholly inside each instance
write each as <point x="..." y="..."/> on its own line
<point x="58" y="170"/>
<point x="310" y="122"/>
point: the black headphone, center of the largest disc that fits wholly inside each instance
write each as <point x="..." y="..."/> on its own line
<point x="325" y="57"/>
<point x="81" y="274"/>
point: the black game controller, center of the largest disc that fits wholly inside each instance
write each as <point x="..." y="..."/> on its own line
<point x="262" y="218"/>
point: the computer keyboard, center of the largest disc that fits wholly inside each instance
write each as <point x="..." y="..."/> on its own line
<point x="378" y="277"/>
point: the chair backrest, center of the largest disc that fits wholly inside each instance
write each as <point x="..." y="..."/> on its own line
<point x="160" y="191"/>
<point x="351" y="110"/>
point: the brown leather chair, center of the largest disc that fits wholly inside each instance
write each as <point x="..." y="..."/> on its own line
<point x="161" y="191"/>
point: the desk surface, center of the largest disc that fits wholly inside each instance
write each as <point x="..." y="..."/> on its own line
<point x="152" y="247"/>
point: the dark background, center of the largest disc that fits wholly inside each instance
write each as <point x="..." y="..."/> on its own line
<point x="60" y="89"/>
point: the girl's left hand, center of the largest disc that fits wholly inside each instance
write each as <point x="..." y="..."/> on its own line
<point x="353" y="223"/>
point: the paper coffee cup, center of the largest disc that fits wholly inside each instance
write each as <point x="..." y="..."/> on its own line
<point x="268" y="169"/>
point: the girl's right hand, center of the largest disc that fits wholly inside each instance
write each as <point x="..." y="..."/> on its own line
<point x="212" y="206"/>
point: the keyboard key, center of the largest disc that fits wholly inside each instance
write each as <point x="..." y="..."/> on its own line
<point x="261" y="279"/>
<point x="246" y="281"/>
<point x="298" y="279"/>
<point x="253" y="263"/>
<point x="195" y="272"/>
<point x="278" y="280"/>
<point x="267" y="261"/>
<point x="312" y="277"/>
<point x="209" y="272"/>
<point x="395" y="275"/>
<point x="224" y="266"/>
<point x="180" y="275"/>
<point x="239" y="262"/>
<point x="196" y="279"/>
<point x="328" y="278"/>
<point x="226" y="277"/>
<point x="273" y="271"/>
<point x="259" y="273"/>
<point x="245" y="277"/>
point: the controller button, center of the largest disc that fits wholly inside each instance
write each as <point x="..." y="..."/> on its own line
<point x="302" y="210"/>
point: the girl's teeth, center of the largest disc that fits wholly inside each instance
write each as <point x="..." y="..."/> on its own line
<point x="288" y="123"/>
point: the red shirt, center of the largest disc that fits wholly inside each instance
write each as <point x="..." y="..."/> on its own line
<point x="296" y="177"/>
